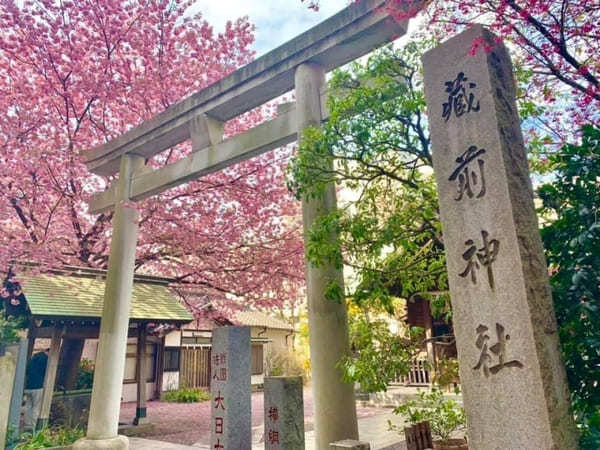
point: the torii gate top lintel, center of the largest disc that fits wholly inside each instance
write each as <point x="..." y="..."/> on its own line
<point x="347" y="35"/>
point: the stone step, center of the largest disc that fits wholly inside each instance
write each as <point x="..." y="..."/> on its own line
<point x="395" y="396"/>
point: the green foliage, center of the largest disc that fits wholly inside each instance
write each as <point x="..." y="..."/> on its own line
<point x="334" y="292"/>
<point x="447" y="374"/>
<point x="378" y="355"/>
<point x="186" y="395"/>
<point x="375" y="145"/>
<point x="572" y="241"/>
<point x="301" y="347"/>
<point x="286" y="363"/>
<point x="85" y="374"/>
<point x="540" y="135"/>
<point x="445" y="415"/>
<point x="10" y="329"/>
<point x="49" y="437"/>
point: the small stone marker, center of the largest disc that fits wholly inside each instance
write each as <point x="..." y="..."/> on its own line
<point x="284" y="413"/>
<point x="513" y="380"/>
<point x="14" y="418"/>
<point x="8" y="366"/>
<point x="350" y="444"/>
<point x="230" y="389"/>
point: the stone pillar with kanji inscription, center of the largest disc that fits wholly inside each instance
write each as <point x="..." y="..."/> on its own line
<point x="284" y="413"/>
<point x="230" y="425"/>
<point x="513" y="379"/>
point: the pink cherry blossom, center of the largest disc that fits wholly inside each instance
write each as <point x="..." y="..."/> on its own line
<point x="554" y="43"/>
<point x="74" y="75"/>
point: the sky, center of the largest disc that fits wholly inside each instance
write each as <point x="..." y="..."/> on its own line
<point x="277" y="21"/>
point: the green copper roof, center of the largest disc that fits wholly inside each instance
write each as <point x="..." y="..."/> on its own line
<point x="71" y="296"/>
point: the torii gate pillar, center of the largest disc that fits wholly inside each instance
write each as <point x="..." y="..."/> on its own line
<point x="335" y="406"/>
<point x="102" y="431"/>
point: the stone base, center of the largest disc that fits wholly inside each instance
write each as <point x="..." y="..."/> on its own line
<point x="350" y="444"/>
<point x="116" y="443"/>
<point x="131" y="430"/>
<point x="138" y="421"/>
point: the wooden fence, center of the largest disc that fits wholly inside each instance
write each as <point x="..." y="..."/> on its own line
<point x="418" y="437"/>
<point x="418" y="375"/>
<point x="195" y="367"/>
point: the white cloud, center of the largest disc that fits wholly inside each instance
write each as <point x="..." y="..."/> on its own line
<point x="277" y="21"/>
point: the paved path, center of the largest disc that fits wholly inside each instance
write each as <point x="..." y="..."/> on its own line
<point x="189" y="423"/>
<point x="178" y="426"/>
<point x="148" y="444"/>
<point x="374" y="430"/>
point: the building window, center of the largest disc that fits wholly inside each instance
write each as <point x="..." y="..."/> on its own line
<point x="151" y="362"/>
<point x="257" y="359"/>
<point x="171" y="359"/>
<point x="131" y="362"/>
<point x="195" y="340"/>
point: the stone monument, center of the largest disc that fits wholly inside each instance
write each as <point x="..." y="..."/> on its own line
<point x="513" y="380"/>
<point x="284" y="413"/>
<point x="230" y="427"/>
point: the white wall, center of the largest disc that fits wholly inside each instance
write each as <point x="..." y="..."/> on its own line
<point x="277" y="339"/>
<point x="129" y="392"/>
<point x="90" y="348"/>
<point x="170" y="381"/>
<point x="173" y="339"/>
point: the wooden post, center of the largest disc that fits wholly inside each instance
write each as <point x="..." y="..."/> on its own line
<point x="429" y="339"/>
<point x="50" y="378"/>
<point x="31" y="343"/>
<point x="68" y="363"/>
<point x="418" y="436"/>
<point x="160" y="368"/>
<point x="140" y="410"/>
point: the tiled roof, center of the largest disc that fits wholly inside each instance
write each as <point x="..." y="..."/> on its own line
<point x="259" y="319"/>
<point x="248" y="318"/>
<point x="72" y="296"/>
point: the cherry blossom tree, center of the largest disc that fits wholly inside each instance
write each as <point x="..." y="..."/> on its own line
<point x="555" y="46"/>
<point x="76" y="74"/>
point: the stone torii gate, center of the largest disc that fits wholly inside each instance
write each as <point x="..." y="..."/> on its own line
<point x="300" y="64"/>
